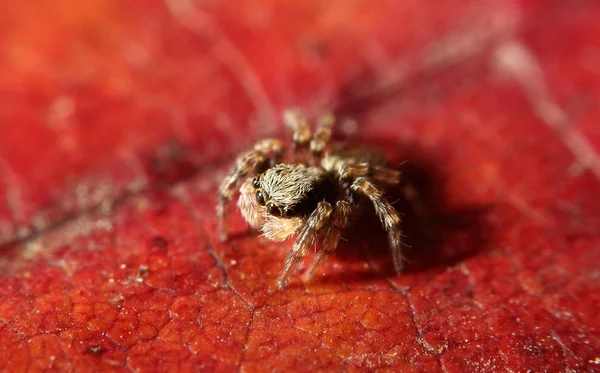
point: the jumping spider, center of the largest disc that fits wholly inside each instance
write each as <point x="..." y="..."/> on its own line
<point x="315" y="196"/>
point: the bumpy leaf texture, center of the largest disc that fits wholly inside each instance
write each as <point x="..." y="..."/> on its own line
<point x="119" y="118"/>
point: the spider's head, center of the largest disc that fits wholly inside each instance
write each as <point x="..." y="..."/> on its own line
<point x="287" y="190"/>
<point x="279" y="199"/>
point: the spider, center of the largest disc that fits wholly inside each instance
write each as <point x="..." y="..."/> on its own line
<point x="314" y="197"/>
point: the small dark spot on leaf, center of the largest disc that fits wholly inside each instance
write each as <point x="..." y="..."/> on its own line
<point x="143" y="270"/>
<point x="314" y="47"/>
<point x="170" y="163"/>
<point x="159" y="242"/>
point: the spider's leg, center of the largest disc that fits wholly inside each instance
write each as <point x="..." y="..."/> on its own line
<point x="384" y="175"/>
<point x="307" y="238"/>
<point x="341" y="216"/>
<point x="322" y="136"/>
<point x="300" y="135"/>
<point x="264" y="152"/>
<point x="379" y="174"/>
<point x="389" y="217"/>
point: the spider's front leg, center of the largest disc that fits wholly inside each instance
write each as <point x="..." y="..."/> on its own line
<point x="265" y="152"/>
<point x="389" y="217"/>
<point x="307" y="238"/>
<point x="341" y="217"/>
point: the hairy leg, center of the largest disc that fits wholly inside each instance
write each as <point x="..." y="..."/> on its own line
<point x="307" y="238"/>
<point x="379" y="174"/>
<point x="389" y="217"/>
<point x="321" y="137"/>
<point x="301" y="135"/>
<point x="264" y="152"/>
<point x="341" y="216"/>
<point x="389" y="176"/>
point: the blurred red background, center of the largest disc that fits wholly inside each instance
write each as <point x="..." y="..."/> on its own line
<point x="119" y="118"/>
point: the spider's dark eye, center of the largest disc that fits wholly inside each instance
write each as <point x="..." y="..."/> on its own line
<point x="255" y="183"/>
<point x="289" y="212"/>
<point x="273" y="210"/>
<point x="260" y="198"/>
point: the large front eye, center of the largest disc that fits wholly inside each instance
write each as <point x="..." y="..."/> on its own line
<point x="289" y="212"/>
<point x="273" y="210"/>
<point x="260" y="198"/>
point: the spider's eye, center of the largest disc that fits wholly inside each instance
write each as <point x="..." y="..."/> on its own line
<point x="289" y="212"/>
<point x="273" y="210"/>
<point x="255" y="183"/>
<point x="260" y="198"/>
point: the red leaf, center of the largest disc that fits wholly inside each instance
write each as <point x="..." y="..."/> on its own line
<point x="119" y="119"/>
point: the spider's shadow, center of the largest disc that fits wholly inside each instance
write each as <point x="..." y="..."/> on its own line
<point x="443" y="237"/>
<point x="449" y="233"/>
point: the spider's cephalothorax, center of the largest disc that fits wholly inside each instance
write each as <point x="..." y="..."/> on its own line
<point x="313" y="196"/>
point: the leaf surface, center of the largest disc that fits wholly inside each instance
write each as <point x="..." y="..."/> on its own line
<point x="119" y="119"/>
